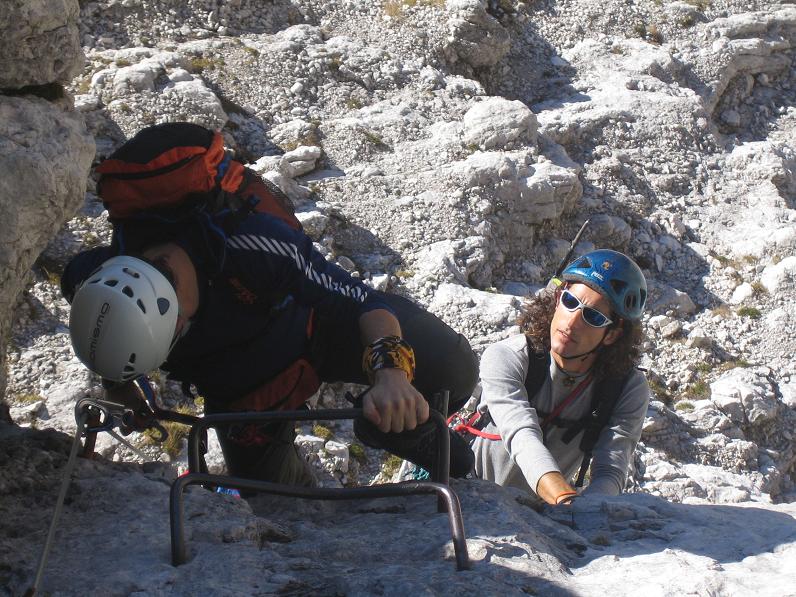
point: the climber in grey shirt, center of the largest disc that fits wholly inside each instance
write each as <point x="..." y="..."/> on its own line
<point x="590" y="327"/>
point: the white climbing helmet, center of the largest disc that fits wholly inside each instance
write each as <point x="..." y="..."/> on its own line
<point x="123" y="319"/>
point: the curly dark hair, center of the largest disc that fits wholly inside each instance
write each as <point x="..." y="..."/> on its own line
<point x="614" y="360"/>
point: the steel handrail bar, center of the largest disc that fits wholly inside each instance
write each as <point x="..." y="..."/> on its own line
<point x="451" y="500"/>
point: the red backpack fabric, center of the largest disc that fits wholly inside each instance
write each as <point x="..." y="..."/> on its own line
<point x="177" y="179"/>
<point x="165" y="165"/>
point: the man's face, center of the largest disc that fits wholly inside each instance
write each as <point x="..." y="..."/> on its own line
<point x="570" y="335"/>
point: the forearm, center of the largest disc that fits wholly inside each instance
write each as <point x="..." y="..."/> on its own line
<point x="553" y="488"/>
<point x="608" y="471"/>
<point x="613" y="454"/>
<point x="503" y="373"/>
<point x="376" y="324"/>
<point x="392" y="403"/>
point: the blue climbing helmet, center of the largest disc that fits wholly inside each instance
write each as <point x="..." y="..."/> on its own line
<point x="615" y="276"/>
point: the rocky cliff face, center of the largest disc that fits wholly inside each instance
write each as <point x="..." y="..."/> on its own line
<point x="45" y="149"/>
<point x="449" y="151"/>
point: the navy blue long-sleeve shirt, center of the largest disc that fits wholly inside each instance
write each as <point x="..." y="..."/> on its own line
<point x="253" y="317"/>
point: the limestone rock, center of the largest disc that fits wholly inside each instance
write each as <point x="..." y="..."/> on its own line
<point x="744" y="397"/>
<point x="697" y="338"/>
<point x="496" y="122"/>
<point x="476" y="37"/>
<point x="39" y="42"/>
<point x="663" y="298"/>
<point x="742" y="293"/>
<point x="339" y="454"/>
<point x="45" y="155"/>
<point x="779" y="274"/>
<point x="789" y="394"/>
<point x="314" y="222"/>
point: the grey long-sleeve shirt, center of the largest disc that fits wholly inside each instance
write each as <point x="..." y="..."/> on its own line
<point x="521" y="457"/>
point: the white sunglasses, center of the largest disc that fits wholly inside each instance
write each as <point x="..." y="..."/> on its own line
<point x="590" y="315"/>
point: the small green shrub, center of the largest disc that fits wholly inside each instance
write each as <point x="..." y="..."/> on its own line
<point x="391" y="465"/>
<point x="649" y="32"/>
<point x="199" y="64"/>
<point x="121" y="62"/>
<point x="357" y="452"/>
<point x="684" y="405"/>
<point x="704" y="367"/>
<point x="395" y="8"/>
<point x="758" y="288"/>
<point x="699" y="389"/>
<point x="660" y="391"/>
<point x="172" y="446"/>
<point x="52" y="277"/>
<point x="700" y="5"/>
<point x="733" y="364"/>
<point x="374" y="139"/>
<point x="323" y="432"/>
<point x="27" y="398"/>
<point x="750" y="312"/>
<point x="723" y="310"/>
<point x="686" y="22"/>
<point x="723" y="260"/>
<point x="335" y="62"/>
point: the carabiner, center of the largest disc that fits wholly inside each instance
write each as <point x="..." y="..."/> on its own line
<point x="109" y="413"/>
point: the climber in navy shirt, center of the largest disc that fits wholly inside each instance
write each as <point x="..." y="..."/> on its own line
<point x="262" y="333"/>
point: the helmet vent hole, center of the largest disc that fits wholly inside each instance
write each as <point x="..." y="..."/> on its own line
<point x="618" y="285"/>
<point x="583" y="262"/>
<point x="131" y="360"/>
<point x="132" y="273"/>
<point x="141" y="306"/>
<point x="128" y="291"/>
<point x="111" y="283"/>
<point x="163" y="305"/>
<point x="95" y="281"/>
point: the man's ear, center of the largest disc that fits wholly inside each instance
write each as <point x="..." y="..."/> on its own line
<point x="613" y="335"/>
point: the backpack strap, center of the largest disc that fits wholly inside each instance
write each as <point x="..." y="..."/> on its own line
<point x="538" y="370"/>
<point x="604" y="399"/>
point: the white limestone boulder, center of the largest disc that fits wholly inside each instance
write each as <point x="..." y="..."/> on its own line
<point x="776" y="275"/>
<point x="497" y="122"/>
<point x="39" y="42"/>
<point x="744" y="396"/>
<point x="45" y="155"/>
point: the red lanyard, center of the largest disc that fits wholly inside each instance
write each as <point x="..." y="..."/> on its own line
<point x="574" y="395"/>
<point x="468" y="425"/>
